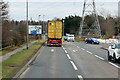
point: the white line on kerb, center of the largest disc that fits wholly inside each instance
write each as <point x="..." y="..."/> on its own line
<point x="74" y="65"/>
<point x="68" y="56"/>
<point x="99" y="57"/>
<point x="66" y="51"/>
<point x="82" y="49"/>
<point x="80" y="77"/>
<point x="114" y="65"/>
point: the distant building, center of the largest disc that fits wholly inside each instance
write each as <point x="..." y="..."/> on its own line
<point x="119" y="9"/>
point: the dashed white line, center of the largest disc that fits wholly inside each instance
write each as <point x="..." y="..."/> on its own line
<point x="52" y="50"/>
<point x="63" y="48"/>
<point x="99" y="57"/>
<point x="114" y="65"/>
<point x="74" y="65"/>
<point x="82" y="49"/>
<point x="68" y="56"/>
<point x="66" y="51"/>
<point x="74" y="51"/>
<point x="89" y="52"/>
<point x="80" y="77"/>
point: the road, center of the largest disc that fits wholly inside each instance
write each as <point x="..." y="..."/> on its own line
<point x="74" y="60"/>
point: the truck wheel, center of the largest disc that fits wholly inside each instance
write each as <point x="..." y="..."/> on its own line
<point x="109" y="57"/>
<point x="114" y="58"/>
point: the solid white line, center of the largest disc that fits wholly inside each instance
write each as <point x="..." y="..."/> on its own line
<point x="114" y="65"/>
<point x="68" y="56"/>
<point x="74" y="65"/>
<point x="80" y="77"/>
<point x="82" y="49"/>
<point x="24" y="72"/>
<point x="99" y="57"/>
<point x="66" y="51"/>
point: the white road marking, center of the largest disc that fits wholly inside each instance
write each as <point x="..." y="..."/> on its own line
<point x="82" y="49"/>
<point x="89" y="52"/>
<point x="80" y="77"/>
<point x="74" y="65"/>
<point x="63" y="48"/>
<point x="99" y="57"/>
<point x="66" y="51"/>
<point x="24" y="72"/>
<point x="74" y="51"/>
<point x="68" y="56"/>
<point x="52" y="50"/>
<point x="114" y="65"/>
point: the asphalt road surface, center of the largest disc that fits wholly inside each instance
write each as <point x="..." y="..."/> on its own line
<point x="74" y="61"/>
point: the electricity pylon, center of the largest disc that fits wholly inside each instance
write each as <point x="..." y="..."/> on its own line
<point x="89" y="9"/>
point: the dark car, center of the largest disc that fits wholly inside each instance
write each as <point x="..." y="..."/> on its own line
<point x="92" y="41"/>
<point x="65" y="38"/>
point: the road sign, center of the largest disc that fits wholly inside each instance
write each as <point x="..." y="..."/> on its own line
<point x="35" y="29"/>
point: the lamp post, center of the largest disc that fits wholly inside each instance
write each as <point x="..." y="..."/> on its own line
<point x="27" y="25"/>
<point x="39" y="24"/>
<point x="39" y="17"/>
<point x="43" y="27"/>
<point x="63" y="26"/>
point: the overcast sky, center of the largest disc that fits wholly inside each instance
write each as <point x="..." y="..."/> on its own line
<point x="57" y="8"/>
<point x="61" y="0"/>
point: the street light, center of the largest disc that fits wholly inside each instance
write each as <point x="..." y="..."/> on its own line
<point x="43" y="27"/>
<point x="63" y="26"/>
<point x="27" y="25"/>
<point x="39" y="17"/>
<point x="39" y="24"/>
<point x="43" y="21"/>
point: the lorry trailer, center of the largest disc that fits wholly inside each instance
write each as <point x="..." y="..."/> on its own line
<point x="54" y="32"/>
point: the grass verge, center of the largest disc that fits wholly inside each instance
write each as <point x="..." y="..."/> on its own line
<point x="18" y="60"/>
<point x="79" y="40"/>
<point x="3" y="52"/>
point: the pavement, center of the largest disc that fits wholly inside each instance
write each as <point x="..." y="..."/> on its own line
<point x="74" y="60"/>
<point x="5" y="57"/>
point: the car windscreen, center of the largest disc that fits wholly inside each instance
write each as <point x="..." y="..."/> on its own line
<point x="118" y="46"/>
<point x="71" y="36"/>
<point x="94" y="39"/>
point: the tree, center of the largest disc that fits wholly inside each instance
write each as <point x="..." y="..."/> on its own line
<point x="72" y="24"/>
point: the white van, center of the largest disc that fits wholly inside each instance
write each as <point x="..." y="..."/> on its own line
<point x="70" y="38"/>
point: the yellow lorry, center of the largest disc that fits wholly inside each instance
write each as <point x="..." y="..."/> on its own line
<point x="54" y="32"/>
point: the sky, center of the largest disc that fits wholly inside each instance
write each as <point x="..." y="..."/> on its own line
<point x="57" y="8"/>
